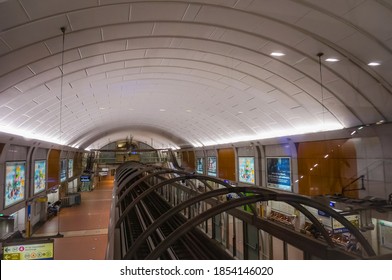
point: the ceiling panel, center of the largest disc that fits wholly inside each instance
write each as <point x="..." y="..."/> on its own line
<point x="99" y="16"/>
<point x="22" y="57"/>
<point x="11" y="14"/>
<point x="373" y="18"/>
<point x="102" y="48"/>
<point x="34" y="31"/>
<point x="157" y="11"/>
<point x="43" y="8"/>
<point x="208" y="63"/>
<point x="73" y="39"/>
<point x="14" y="77"/>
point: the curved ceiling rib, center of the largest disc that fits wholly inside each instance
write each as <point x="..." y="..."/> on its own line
<point x="192" y="73"/>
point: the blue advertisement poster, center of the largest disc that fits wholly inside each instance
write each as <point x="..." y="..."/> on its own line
<point x="279" y="173"/>
<point x="63" y="170"/>
<point x="200" y="166"/>
<point x="246" y="169"/>
<point x="15" y="176"/>
<point x="211" y="168"/>
<point x="39" y="176"/>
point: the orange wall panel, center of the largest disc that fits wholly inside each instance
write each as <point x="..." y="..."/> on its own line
<point x="226" y="164"/>
<point x="325" y="167"/>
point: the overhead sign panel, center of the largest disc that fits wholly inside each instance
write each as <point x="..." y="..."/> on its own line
<point x="40" y="250"/>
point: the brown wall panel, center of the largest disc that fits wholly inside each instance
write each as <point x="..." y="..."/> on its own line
<point x="325" y="167"/>
<point x="226" y="164"/>
<point x="53" y="168"/>
<point x="188" y="159"/>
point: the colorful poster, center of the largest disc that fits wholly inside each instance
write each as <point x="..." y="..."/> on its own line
<point x="39" y="176"/>
<point x="199" y="166"/>
<point x="14" y="182"/>
<point x="246" y="169"/>
<point x="211" y="169"/>
<point x="279" y="173"/>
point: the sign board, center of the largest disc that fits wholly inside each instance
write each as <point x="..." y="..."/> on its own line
<point x="40" y="250"/>
<point x="85" y="178"/>
<point x="339" y="228"/>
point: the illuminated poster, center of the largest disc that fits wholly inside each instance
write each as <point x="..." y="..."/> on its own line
<point x="14" y="183"/>
<point x="199" y="166"/>
<point x="211" y="169"/>
<point x="70" y="168"/>
<point x="63" y="170"/>
<point x="279" y="173"/>
<point x="246" y="172"/>
<point x="39" y="176"/>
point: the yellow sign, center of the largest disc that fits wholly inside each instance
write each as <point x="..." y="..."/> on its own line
<point x="41" y="251"/>
<point x="42" y="199"/>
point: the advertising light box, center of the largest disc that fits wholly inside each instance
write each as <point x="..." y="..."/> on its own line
<point x="246" y="169"/>
<point x="15" y="176"/>
<point x="279" y="173"/>
<point x="211" y="166"/>
<point x="63" y="170"/>
<point x="200" y="165"/>
<point x="39" y="176"/>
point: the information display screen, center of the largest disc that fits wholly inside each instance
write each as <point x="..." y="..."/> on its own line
<point x="39" y="176"/>
<point x="279" y="173"/>
<point x="200" y="165"/>
<point x="15" y="176"/>
<point x="211" y="166"/>
<point x="246" y="169"/>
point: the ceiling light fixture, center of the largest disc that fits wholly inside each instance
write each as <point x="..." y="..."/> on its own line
<point x="332" y="59"/>
<point x="374" y="63"/>
<point x="277" y="54"/>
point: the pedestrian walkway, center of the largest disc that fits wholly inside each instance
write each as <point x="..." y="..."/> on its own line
<point x="84" y="226"/>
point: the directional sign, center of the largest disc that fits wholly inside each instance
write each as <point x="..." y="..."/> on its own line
<point x="12" y="257"/>
<point x="41" y="250"/>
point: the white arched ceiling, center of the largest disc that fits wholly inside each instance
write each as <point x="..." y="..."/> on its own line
<point x="192" y="73"/>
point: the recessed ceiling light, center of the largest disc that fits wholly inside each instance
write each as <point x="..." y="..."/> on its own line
<point x="332" y="59"/>
<point x="101" y="108"/>
<point x="189" y="111"/>
<point x="131" y="109"/>
<point x="374" y="64"/>
<point x="162" y="110"/>
<point x="277" y="54"/>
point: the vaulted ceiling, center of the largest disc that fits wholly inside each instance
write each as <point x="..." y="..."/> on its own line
<point x="192" y="73"/>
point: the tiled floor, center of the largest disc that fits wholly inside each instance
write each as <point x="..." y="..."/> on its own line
<point x="84" y="226"/>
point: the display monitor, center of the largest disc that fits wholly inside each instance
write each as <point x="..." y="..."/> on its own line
<point x="279" y="173"/>
<point x="63" y="170"/>
<point x="39" y="176"/>
<point x="200" y="165"/>
<point x="246" y="169"/>
<point x="211" y="166"/>
<point x="15" y="176"/>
